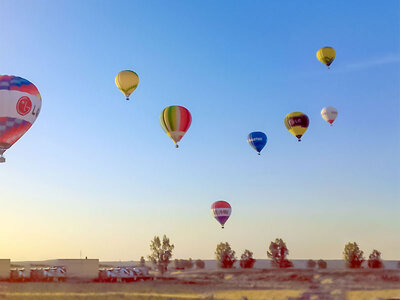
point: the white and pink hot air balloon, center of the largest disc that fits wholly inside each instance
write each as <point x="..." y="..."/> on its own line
<point x="329" y="114"/>
<point x="20" y="104"/>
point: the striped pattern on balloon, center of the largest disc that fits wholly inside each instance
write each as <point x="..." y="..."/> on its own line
<point x="175" y="120"/>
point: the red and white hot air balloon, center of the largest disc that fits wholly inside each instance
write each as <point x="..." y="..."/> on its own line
<point x="20" y="104"/>
<point x="221" y="211"/>
<point x="329" y="114"/>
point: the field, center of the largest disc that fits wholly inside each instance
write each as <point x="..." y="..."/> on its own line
<point x="226" y="284"/>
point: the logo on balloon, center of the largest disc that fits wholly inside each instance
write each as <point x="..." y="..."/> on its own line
<point x="24" y="105"/>
<point x="255" y="139"/>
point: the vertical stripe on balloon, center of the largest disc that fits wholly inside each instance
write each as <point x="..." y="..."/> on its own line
<point x="175" y="120"/>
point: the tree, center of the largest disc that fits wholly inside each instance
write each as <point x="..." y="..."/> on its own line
<point x="200" y="264"/>
<point x="189" y="264"/>
<point x="225" y="255"/>
<point x="142" y="262"/>
<point x="277" y="253"/>
<point x="246" y="260"/>
<point x="353" y="255"/>
<point x="161" y="253"/>
<point x="322" y="264"/>
<point x="311" y="264"/>
<point x="374" y="261"/>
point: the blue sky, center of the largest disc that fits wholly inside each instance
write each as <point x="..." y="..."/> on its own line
<point x="97" y="174"/>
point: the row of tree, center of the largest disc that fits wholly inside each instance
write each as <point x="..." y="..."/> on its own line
<point x="183" y="264"/>
<point x="161" y="253"/>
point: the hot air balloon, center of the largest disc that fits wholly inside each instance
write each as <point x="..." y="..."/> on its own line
<point x="297" y="124"/>
<point x="326" y="55"/>
<point x="329" y="114"/>
<point x="221" y="210"/>
<point x="20" y="104"/>
<point x="257" y="140"/>
<point x="127" y="81"/>
<point x="175" y="120"/>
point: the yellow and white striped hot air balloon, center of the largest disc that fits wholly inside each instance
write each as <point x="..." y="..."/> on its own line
<point x="127" y="81"/>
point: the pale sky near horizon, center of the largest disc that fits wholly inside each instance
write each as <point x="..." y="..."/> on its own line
<point x="97" y="174"/>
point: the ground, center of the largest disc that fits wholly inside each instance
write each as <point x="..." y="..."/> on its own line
<point x="226" y="284"/>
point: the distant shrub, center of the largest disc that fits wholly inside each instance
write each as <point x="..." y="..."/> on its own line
<point x="189" y="264"/>
<point x="182" y="264"/>
<point x="375" y="261"/>
<point x="200" y="264"/>
<point x="246" y="260"/>
<point x="277" y="253"/>
<point x="225" y="256"/>
<point x="142" y="261"/>
<point x="398" y="265"/>
<point x="311" y="264"/>
<point x="322" y="264"/>
<point x="178" y="264"/>
<point x="353" y="255"/>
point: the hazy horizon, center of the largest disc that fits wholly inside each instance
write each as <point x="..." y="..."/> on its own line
<point x="97" y="175"/>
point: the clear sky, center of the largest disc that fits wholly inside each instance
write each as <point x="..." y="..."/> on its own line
<point x="97" y="174"/>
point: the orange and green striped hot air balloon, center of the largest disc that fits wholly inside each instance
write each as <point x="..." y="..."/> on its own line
<point x="175" y="120"/>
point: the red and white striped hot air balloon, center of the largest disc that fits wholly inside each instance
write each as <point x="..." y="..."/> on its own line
<point x="175" y="120"/>
<point x="221" y="211"/>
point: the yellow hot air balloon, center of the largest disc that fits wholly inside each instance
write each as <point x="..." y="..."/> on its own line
<point x="297" y="124"/>
<point x="127" y="81"/>
<point x="326" y="55"/>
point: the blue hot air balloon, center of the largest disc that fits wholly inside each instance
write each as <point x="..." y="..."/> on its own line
<point x="257" y="140"/>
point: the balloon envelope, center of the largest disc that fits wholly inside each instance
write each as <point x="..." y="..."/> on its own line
<point x="257" y="140"/>
<point x="127" y="81"/>
<point x="20" y="104"/>
<point x="221" y="210"/>
<point x="175" y="120"/>
<point x="329" y="114"/>
<point x="326" y="55"/>
<point x="297" y="124"/>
